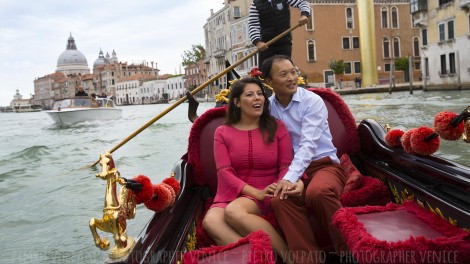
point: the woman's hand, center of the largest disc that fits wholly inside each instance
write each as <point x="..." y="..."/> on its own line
<point x="266" y="192"/>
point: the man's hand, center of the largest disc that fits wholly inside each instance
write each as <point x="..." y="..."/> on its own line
<point x="286" y="188"/>
<point x="283" y="188"/>
<point x="303" y="20"/>
<point x="261" y="45"/>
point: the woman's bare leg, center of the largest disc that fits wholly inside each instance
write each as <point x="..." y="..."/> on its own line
<point x="243" y="215"/>
<point x="218" y="229"/>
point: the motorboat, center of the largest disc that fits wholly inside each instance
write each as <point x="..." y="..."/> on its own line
<point x="78" y="109"/>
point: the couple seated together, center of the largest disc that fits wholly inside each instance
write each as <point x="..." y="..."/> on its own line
<point x="276" y="154"/>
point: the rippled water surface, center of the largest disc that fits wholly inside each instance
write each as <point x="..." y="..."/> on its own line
<point x="47" y="199"/>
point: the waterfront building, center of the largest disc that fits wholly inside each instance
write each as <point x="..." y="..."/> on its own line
<point x="195" y="74"/>
<point x="72" y="61"/>
<point x="217" y="37"/>
<point x="128" y="89"/>
<point x="332" y="33"/>
<point x="72" y="68"/>
<point x="445" y="41"/>
<point x="72" y="71"/>
<point x="43" y="88"/>
<point x="153" y="91"/>
<point x="108" y="71"/>
<point x="19" y="101"/>
<point x="175" y="87"/>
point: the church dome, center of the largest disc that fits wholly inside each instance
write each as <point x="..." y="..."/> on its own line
<point x="100" y="61"/>
<point x="72" y="61"/>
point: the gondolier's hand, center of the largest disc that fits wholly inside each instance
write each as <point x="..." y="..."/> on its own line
<point x="261" y="45"/>
<point x="303" y="20"/>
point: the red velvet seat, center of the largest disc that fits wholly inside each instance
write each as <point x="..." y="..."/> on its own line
<point x="345" y="139"/>
<point x="401" y="234"/>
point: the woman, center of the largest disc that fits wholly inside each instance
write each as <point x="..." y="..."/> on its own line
<point x="252" y="152"/>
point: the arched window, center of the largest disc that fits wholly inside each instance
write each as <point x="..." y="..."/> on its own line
<point x="386" y="48"/>
<point x="384" y="17"/>
<point x="349" y="18"/>
<point x="394" y="17"/>
<point x="311" y="50"/>
<point x="396" y="47"/>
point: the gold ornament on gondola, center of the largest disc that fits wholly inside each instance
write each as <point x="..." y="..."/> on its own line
<point x="117" y="209"/>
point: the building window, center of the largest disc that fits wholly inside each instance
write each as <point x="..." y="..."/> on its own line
<point x="424" y="36"/>
<point x="236" y="12"/>
<point x="387" y="67"/>
<point x="394" y="17"/>
<point x="386" y="48"/>
<point x="346" y="44"/>
<point x="442" y="32"/>
<point x="310" y="21"/>
<point x="396" y="47"/>
<point x="443" y="65"/>
<point x="415" y="47"/>
<point x="452" y="63"/>
<point x="311" y="50"/>
<point x="349" y="18"/>
<point x="384" y="17"/>
<point x="355" y="41"/>
<point x="347" y="68"/>
<point x="450" y="29"/>
<point x="426" y="67"/>
<point x="357" y="67"/>
<point x="443" y="2"/>
<point x="417" y="66"/>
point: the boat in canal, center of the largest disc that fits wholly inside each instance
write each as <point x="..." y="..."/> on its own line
<point x="407" y="206"/>
<point x="423" y="199"/>
<point x="27" y="108"/>
<point x="83" y="108"/>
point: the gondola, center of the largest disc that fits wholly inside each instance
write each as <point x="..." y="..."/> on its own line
<point x="408" y="207"/>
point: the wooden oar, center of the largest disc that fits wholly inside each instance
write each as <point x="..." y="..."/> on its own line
<point x="196" y="90"/>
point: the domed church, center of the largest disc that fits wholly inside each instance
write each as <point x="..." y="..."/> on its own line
<point x="72" y="61"/>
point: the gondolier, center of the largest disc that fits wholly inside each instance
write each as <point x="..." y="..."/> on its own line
<point x="267" y="19"/>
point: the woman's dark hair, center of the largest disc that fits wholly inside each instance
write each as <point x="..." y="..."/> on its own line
<point x="268" y="64"/>
<point x="267" y="123"/>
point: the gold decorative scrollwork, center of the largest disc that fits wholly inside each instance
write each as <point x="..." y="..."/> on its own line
<point x="404" y="195"/>
<point x="191" y="242"/>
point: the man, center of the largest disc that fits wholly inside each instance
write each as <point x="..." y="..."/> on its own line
<point x="269" y="18"/>
<point x="81" y="92"/>
<point x="305" y="115"/>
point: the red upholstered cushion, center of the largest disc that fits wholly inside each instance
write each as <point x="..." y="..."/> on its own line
<point x="372" y="191"/>
<point x="404" y="233"/>
<point x="354" y="177"/>
<point x="254" y="248"/>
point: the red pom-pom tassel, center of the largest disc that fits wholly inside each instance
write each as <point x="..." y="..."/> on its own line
<point x="160" y="200"/>
<point x="423" y="141"/>
<point x="405" y="141"/>
<point x="393" y="138"/>
<point x="174" y="184"/>
<point x="443" y="126"/>
<point x="146" y="193"/>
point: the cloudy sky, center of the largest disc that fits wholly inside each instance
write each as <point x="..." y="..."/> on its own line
<point x="34" y="33"/>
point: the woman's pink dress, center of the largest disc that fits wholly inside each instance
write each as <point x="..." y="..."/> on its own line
<point x="243" y="157"/>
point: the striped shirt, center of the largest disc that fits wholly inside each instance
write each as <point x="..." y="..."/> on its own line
<point x="254" y="27"/>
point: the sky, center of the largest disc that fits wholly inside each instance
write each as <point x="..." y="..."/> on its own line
<point x="34" y="33"/>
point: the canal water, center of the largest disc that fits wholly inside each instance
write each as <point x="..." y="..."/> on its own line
<point x="47" y="199"/>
